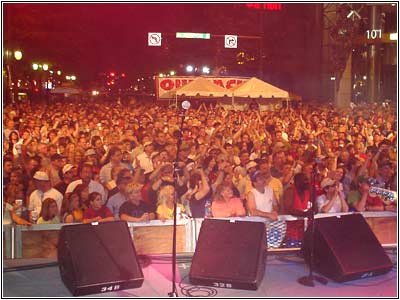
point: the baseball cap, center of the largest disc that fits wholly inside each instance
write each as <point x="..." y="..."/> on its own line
<point x="250" y="165"/>
<point x="67" y="168"/>
<point x="90" y="152"/>
<point x="40" y="175"/>
<point x="327" y="182"/>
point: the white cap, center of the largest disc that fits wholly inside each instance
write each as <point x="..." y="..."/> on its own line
<point x="251" y="164"/>
<point x="67" y="167"/>
<point x="327" y="182"/>
<point x="40" y="175"/>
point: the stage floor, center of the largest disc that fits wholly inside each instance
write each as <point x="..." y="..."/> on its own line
<point x="280" y="280"/>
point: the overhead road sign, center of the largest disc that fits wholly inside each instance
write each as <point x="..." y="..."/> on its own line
<point x="192" y="35"/>
<point x="230" y="41"/>
<point x="154" y="39"/>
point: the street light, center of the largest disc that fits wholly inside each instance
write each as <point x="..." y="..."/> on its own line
<point x="189" y="68"/>
<point x="35" y="66"/>
<point x="18" y="54"/>
<point x="45" y="67"/>
<point x="206" y="70"/>
<point x="8" y="62"/>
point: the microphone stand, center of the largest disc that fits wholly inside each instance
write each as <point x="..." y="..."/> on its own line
<point x="309" y="280"/>
<point x="174" y="292"/>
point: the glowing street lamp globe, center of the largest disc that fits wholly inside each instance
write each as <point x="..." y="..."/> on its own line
<point x="35" y="66"/>
<point x="45" y="67"/>
<point x="189" y="68"/>
<point x="18" y="54"/>
<point x="206" y="70"/>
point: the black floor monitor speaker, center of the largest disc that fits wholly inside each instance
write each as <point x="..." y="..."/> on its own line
<point x="98" y="258"/>
<point x="345" y="248"/>
<point x="229" y="254"/>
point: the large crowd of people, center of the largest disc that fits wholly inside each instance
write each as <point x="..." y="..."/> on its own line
<point x="85" y="162"/>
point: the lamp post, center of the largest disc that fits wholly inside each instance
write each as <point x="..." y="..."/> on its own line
<point x="9" y="57"/>
<point x="39" y="67"/>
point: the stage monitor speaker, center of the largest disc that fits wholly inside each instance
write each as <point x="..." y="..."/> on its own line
<point x="229" y="254"/>
<point x="98" y="257"/>
<point x="345" y="249"/>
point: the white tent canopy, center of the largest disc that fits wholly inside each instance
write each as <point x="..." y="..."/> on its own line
<point x="200" y="87"/>
<point x="256" y="88"/>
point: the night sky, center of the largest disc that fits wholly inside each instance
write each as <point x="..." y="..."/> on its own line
<point x="87" y="39"/>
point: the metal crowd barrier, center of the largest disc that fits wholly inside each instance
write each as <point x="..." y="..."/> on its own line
<point x="155" y="237"/>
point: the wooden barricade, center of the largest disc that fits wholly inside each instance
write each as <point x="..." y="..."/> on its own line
<point x="155" y="237"/>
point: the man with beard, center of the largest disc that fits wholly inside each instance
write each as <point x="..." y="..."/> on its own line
<point x="296" y="201"/>
<point x="297" y="198"/>
<point x="68" y="175"/>
<point x="159" y="141"/>
<point x="86" y="175"/>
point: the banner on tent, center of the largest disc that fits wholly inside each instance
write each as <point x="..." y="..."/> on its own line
<point x="166" y="84"/>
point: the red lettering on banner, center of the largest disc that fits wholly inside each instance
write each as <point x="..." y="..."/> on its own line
<point x="230" y="83"/>
<point x="181" y="82"/>
<point x="218" y="82"/>
<point x="265" y="6"/>
<point x="167" y="84"/>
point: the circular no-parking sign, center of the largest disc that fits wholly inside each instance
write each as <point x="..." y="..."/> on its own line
<point x="154" y="39"/>
<point x="230" y="41"/>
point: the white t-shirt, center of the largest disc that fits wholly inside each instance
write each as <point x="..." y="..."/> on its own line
<point x="37" y="197"/>
<point x="146" y="163"/>
<point x="264" y="201"/>
<point x="322" y="201"/>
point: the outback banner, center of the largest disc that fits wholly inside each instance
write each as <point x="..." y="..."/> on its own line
<point x="166" y="84"/>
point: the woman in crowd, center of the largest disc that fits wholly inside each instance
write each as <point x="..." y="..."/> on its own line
<point x="198" y="193"/>
<point x="71" y="210"/>
<point x="49" y="212"/>
<point x="165" y="203"/>
<point x="210" y="168"/>
<point x="97" y="212"/>
<point x="135" y="209"/>
<point x="307" y="130"/>
<point x="225" y="204"/>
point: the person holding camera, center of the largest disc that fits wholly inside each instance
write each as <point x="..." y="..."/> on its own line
<point x="332" y="200"/>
